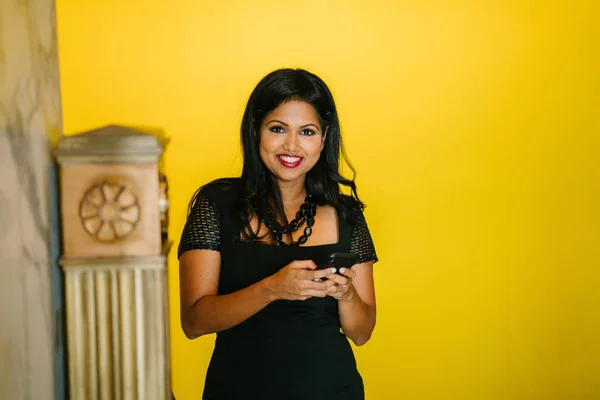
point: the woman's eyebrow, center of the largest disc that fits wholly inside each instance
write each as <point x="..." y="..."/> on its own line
<point x="276" y="120"/>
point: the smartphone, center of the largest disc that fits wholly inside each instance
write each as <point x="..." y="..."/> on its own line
<point x="339" y="260"/>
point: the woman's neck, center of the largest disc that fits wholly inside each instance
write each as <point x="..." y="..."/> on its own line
<point x="292" y="193"/>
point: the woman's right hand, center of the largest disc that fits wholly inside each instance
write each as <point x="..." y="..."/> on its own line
<point x="299" y="280"/>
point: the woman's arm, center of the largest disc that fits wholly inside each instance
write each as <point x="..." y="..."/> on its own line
<point x="204" y="312"/>
<point x="355" y="292"/>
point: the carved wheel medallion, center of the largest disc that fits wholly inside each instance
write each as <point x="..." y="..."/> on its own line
<point x="109" y="211"/>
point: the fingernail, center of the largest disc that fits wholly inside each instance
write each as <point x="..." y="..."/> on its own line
<point x="342" y="270"/>
<point x="333" y="270"/>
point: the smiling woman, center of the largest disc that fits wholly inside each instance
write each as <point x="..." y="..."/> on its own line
<point x="291" y="141"/>
<point x="250" y="273"/>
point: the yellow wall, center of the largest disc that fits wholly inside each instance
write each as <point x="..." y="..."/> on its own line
<point x="475" y="128"/>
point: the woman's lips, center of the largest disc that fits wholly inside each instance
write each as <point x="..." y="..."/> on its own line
<point x="289" y="161"/>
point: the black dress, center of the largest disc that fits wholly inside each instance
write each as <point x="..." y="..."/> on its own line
<point x="290" y="349"/>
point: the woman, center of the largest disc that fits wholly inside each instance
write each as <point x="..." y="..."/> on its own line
<point x="250" y="247"/>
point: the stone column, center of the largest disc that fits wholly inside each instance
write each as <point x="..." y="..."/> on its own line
<point x="29" y="123"/>
<point x="115" y="265"/>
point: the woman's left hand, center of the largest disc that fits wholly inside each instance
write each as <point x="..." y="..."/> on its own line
<point x="343" y="290"/>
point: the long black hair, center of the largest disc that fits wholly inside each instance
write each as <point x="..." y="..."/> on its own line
<point x="259" y="192"/>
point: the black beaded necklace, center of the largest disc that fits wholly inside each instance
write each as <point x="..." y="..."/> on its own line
<point x="307" y="213"/>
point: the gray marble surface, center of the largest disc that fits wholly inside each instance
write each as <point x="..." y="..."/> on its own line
<point x="30" y="119"/>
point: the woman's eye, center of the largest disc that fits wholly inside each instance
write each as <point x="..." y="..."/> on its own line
<point x="308" y="132"/>
<point x="277" y="129"/>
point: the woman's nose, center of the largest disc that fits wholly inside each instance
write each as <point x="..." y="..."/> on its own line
<point x="292" y="142"/>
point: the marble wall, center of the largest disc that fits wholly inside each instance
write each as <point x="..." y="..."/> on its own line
<point x="29" y="124"/>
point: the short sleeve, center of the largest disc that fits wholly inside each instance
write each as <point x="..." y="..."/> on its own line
<point x="361" y="242"/>
<point x="202" y="230"/>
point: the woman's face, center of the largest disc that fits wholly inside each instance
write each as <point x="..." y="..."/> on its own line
<point x="291" y="140"/>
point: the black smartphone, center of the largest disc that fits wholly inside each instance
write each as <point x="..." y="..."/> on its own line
<point x="339" y="260"/>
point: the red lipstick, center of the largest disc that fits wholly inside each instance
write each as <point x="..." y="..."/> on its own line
<point x="289" y="160"/>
